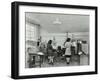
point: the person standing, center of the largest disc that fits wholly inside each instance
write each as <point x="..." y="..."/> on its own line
<point x="68" y="50"/>
<point x="50" y="52"/>
<point x="54" y="43"/>
<point x="73" y="47"/>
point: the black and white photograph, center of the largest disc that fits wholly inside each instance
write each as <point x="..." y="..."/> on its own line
<point x="54" y="40"/>
<point x="51" y="40"/>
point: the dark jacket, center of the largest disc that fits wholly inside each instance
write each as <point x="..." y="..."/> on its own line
<point x="49" y="49"/>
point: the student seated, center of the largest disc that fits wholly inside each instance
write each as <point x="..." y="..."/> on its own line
<point x="59" y="51"/>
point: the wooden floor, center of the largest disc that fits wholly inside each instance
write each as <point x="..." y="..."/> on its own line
<point x="76" y="60"/>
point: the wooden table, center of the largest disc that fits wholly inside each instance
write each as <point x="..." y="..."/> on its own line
<point x="36" y="58"/>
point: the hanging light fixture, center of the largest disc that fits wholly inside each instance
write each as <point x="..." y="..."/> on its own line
<point x="57" y="22"/>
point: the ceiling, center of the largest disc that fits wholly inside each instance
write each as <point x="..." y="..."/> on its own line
<point x="70" y="22"/>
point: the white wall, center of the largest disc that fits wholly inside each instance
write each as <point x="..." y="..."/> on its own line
<point x="61" y="37"/>
<point x="5" y="41"/>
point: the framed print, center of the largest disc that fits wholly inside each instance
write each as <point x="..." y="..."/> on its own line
<point x="50" y="40"/>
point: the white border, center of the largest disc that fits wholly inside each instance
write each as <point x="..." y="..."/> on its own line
<point x="72" y="69"/>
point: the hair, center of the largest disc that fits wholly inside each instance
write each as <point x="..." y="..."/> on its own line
<point x="68" y="40"/>
<point x="59" y="47"/>
<point x="50" y="42"/>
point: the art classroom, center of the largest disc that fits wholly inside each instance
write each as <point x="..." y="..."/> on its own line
<point x="56" y="40"/>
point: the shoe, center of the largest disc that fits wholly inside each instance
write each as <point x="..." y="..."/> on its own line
<point x="67" y="62"/>
<point x="52" y="63"/>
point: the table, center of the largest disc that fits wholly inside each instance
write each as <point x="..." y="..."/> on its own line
<point x="35" y="58"/>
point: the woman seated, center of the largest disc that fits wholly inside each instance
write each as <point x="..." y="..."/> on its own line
<point x="59" y="51"/>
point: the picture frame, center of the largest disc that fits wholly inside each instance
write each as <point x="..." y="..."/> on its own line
<point x="18" y="9"/>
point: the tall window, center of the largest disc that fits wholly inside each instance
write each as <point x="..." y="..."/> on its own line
<point x="31" y="32"/>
